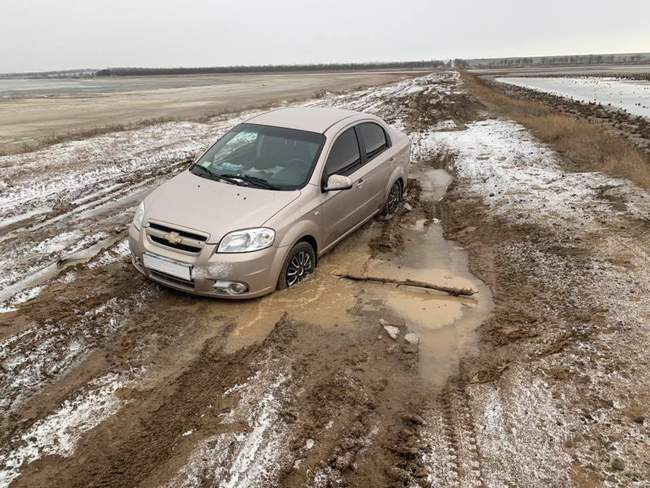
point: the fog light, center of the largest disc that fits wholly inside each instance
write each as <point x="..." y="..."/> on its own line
<point x="231" y="287"/>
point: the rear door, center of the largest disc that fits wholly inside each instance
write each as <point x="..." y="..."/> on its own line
<point x="342" y="210"/>
<point x="375" y="146"/>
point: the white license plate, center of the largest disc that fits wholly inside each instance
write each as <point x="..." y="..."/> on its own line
<point x="167" y="266"/>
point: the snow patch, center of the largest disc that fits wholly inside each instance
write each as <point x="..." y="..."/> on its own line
<point x="58" y="433"/>
<point x="22" y="297"/>
<point x="244" y="459"/>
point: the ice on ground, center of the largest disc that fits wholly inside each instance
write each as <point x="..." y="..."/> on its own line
<point x="445" y="125"/>
<point x="57" y="243"/>
<point x="45" y="351"/>
<point x="112" y="255"/>
<point x="19" y="217"/>
<point x="28" y="266"/>
<point x="632" y="96"/>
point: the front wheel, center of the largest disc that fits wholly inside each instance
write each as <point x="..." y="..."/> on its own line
<point x="394" y="199"/>
<point x="299" y="264"/>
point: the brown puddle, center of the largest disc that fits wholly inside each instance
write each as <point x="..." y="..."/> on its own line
<point x="446" y="325"/>
<point x="323" y="299"/>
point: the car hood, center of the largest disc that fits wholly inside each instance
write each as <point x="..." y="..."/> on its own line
<point x="213" y="207"/>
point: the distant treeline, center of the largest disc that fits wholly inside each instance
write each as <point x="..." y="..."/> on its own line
<point x="68" y="73"/>
<point x="280" y="68"/>
<point x="576" y="60"/>
<point x="519" y="62"/>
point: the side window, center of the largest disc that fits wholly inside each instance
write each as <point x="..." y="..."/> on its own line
<point x="373" y="137"/>
<point x="344" y="156"/>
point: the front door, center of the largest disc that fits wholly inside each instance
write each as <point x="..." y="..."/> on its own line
<point x="342" y="210"/>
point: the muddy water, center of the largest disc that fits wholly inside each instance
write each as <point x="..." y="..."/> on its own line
<point x="323" y="299"/>
<point x="445" y="325"/>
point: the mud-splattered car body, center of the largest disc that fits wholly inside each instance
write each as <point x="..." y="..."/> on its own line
<point x="220" y="230"/>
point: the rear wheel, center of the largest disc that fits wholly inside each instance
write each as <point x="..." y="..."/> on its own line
<point x="394" y="199"/>
<point x="299" y="264"/>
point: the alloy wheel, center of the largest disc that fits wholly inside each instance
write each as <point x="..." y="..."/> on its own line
<point x="300" y="266"/>
<point x="394" y="197"/>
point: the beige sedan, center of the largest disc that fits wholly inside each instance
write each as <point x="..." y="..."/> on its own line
<point x="258" y="208"/>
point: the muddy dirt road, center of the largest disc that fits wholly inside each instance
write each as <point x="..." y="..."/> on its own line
<point x="540" y="379"/>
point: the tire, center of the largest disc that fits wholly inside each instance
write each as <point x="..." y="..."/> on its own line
<point x="299" y="264"/>
<point x="393" y="199"/>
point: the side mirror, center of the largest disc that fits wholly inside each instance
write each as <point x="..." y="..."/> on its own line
<point x="338" y="182"/>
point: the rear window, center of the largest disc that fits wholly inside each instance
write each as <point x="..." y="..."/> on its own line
<point x="344" y="157"/>
<point x="374" y="138"/>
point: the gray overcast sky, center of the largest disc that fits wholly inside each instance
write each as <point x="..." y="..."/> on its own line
<point x="40" y="35"/>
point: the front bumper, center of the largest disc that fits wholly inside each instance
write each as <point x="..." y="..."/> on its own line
<point x="258" y="269"/>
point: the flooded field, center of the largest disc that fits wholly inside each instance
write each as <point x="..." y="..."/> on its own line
<point x="57" y="87"/>
<point x="632" y="96"/>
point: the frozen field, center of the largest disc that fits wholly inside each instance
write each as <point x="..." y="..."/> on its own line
<point x="628" y="95"/>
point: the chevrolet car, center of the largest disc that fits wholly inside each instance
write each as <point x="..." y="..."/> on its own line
<point x="256" y="211"/>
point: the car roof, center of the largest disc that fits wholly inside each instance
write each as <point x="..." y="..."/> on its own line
<point x="312" y="119"/>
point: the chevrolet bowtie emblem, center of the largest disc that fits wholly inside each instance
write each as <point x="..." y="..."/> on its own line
<point x="173" y="238"/>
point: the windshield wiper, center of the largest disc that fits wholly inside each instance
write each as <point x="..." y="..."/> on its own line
<point x="228" y="178"/>
<point x="214" y="176"/>
<point x="258" y="182"/>
<point x="235" y="179"/>
<point x="205" y="171"/>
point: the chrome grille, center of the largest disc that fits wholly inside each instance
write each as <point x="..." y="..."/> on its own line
<point x="178" y="239"/>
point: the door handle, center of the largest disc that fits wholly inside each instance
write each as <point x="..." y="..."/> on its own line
<point x="359" y="183"/>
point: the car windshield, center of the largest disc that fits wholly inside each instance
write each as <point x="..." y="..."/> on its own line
<point x="262" y="156"/>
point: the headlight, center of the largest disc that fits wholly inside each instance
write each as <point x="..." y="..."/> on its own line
<point x="138" y="218"/>
<point x="247" y="240"/>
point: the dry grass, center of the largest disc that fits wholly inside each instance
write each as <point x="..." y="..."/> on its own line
<point x="587" y="146"/>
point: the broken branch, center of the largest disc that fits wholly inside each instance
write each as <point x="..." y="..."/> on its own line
<point x="456" y="292"/>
